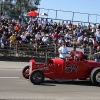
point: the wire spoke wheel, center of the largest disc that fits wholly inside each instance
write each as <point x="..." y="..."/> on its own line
<point x="37" y="77"/>
<point x="95" y="76"/>
<point x="98" y="77"/>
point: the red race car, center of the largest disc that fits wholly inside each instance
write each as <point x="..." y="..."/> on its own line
<point x="59" y="69"/>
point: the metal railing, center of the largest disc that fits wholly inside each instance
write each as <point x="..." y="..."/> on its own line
<point x="30" y="52"/>
<point x="62" y="15"/>
<point x="66" y="15"/>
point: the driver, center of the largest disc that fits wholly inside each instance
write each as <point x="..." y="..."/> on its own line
<point x="74" y="53"/>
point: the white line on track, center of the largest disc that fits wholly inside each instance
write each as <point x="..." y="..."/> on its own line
<point x="9" y="77"/>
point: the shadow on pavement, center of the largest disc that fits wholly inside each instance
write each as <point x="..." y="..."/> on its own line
<point x="76" y="82"/>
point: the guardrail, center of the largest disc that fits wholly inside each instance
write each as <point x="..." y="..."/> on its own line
<point x="70" y="15"/>
<point x="28" y="51"/>
<point x="64" y="15"/>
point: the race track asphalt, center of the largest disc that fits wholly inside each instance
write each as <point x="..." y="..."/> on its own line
<point x="14" y="87"/>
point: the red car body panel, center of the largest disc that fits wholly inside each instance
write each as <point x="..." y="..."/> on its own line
<point x="57" y="68"/>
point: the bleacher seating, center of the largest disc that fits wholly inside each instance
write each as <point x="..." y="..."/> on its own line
<point x="32" y="48"/>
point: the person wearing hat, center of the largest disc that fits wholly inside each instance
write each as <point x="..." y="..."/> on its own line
<point x="74" y="54"/>
<point x="97" y="54"/>
<point x="63" y="51"/>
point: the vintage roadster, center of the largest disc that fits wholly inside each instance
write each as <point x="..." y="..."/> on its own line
<point x="60" y="70"/>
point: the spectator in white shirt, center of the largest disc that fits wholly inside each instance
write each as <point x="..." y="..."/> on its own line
<point x="39" y="22"/>
<point x="45" y="39"/>
<point x="67" y="35"/>
<point x="97" y="34"/>
<point x="29" y="28"/>
<point x="67" y="24"/>
<point x="74" y="43"/>
<point x="94" y="27"/>
<point x="51" y="22"/>
<point x="43" y="22"/>
<point x="46" y="22"/>
<point x="63" y="51"/>
<point x="91" y="38"/>
<point x="38" y="36"/>
<point x="60" y="40"/>
<point x="23" y="36"/>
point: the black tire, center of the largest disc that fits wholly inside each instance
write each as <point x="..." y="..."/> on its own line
<point x="95" y="76"/>
<point x="25" y="72"/>
<point x="37" y="77"/>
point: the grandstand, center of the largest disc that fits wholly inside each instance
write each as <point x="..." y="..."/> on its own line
<point x="40" y="37"/>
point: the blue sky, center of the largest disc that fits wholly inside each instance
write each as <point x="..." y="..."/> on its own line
<point x="83" y="6"/>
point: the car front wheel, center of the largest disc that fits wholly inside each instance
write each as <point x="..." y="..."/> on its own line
<point x="37" y="77"/>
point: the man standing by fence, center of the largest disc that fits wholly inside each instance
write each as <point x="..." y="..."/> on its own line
<point x="63" y="51"/>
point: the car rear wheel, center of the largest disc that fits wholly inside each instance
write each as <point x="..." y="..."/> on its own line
<point x="37" y="77"/>
<point x="95" y="76"/>
<point x="25" y="72"/>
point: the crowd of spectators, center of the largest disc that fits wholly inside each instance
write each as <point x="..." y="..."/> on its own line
<point x="45" y="31"/>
